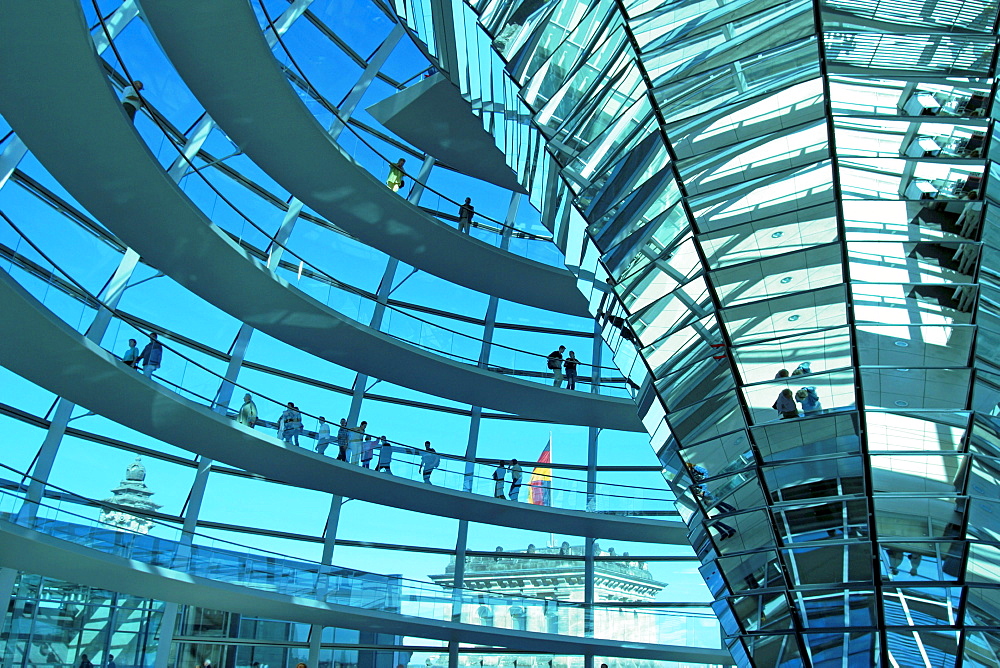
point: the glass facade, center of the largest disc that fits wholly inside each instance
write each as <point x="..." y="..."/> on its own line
<point x="115" y="488"/>
<point x="779" y="213"/>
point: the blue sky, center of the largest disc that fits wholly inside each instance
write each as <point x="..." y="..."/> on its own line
<point x="255" y="502"/>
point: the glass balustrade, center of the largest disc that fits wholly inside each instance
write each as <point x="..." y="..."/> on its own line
<point x="196" y="376"/>
<point x="222" y="561"/>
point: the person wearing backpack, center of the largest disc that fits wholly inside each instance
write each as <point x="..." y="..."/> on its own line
<point x="785" y="405"/>
<point x="555" y="364"/>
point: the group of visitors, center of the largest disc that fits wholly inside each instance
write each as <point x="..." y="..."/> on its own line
<point x="558" y="365"/>
<point x="149" y="358"/>
<point x="85" y="662"/>
<point x="347" y="436"/>
<point x="323" y="437"/>
<point x="896" y="559"/>
<point x="500" y="476"/>
<point x="806" y="395"/>
<point x="289" y="428"/>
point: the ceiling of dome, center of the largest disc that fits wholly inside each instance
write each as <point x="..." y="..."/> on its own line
<point x="434" y="117"/>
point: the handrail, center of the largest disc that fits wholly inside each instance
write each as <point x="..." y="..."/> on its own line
<point x="314" y="92"/>
<point x="310" y="566"/>
<point x="412" y="449"/>
<point x="595" y="378"/>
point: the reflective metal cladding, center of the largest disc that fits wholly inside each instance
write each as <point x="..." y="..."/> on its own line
<point x="793" y="203"/>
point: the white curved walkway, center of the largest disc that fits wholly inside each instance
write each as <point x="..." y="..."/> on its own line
<point x="222" y="56"/>
<point x="40" y="347"/>
<point x="82" y="136"/>
<point x="35" y="552"/>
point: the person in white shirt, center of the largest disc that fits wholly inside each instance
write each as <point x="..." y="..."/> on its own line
<point x="515" y="480"/>
<point x="131" y="357"/>
<point x="322" y="435"/>
<point x="131" y="100"/>
<point x="429" y="460"/>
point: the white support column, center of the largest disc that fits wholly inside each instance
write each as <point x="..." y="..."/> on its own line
<point x="589" y="571"/>
<point x="472" y="445"/>
<point x="385" y="289"/>
<point x="10" y="158"/>
<point x="196" y="138"/>
<point x="372" y="69"/>
<point x="237" y="355"/>
<point x="121" y="17"/>
<point x="192" y="145"/>
<point x="357" y="398"/>
<point x="165" y="638"/>
<point x="64" y="409"/>
<point x="336" y="127"/>
<point x="198" y="487"/>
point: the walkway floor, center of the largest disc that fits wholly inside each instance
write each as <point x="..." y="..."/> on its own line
<point x="222" y="56"/>
<point x="82" y="136"/>
<point x="37" y="345"/>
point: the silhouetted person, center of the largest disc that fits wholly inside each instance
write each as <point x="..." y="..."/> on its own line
<point x="85" y="662"/>
<point x="555" y="364"/>
<point x="429" y="460"/>
<point x="358" y="438"/>
<point x="290" y="425"/>
<point x="465" y="213"/>
<point x="368" y="451"/>
<point x="384" y="455"/>
<point x="322" y="435"/>
<point x="343" y="440"/>
<point x="570" y="366"/>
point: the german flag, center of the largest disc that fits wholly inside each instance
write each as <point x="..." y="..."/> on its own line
<point x="541" y="479"/>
